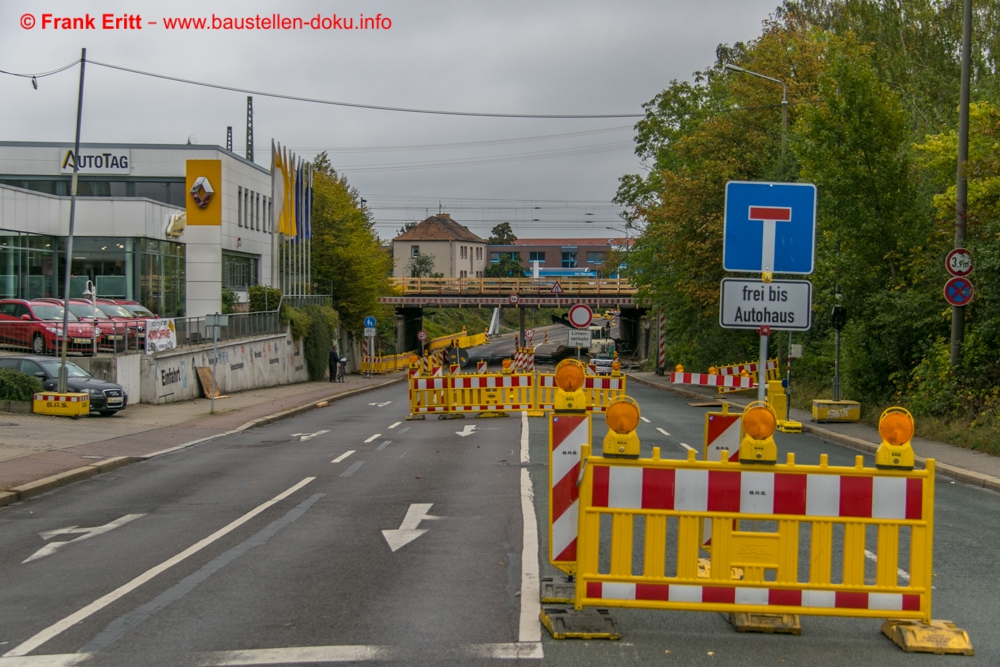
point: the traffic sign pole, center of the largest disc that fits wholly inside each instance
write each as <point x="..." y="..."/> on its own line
<point x="762" y="368"/>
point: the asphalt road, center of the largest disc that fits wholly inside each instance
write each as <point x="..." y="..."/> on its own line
<point x="267" y="547"/>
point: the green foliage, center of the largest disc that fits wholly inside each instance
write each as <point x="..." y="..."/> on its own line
<point x="323" y="324"/>
<point x="229" y="301"/>
<point x="263" y="298"/>
<point x="347" y="255"/>
<point x="506" y="267"/>
<point x="298" y="319"/>
<point x="421" y="266"/>
<point x="16" y="386"/>
<point x="502" y="234"/>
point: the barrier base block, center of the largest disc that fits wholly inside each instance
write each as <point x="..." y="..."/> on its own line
<point x="411" y="418"/>
<point x="536" y="413"/>
<point x="558" y="590"/>
<point x="941" y="637"/>
<point x="451" y="415"/>
<point x="790" y="426"/>
<point x="587" y="623"/>
<point x="785" y="624"/>
<point x="492" y="414"/>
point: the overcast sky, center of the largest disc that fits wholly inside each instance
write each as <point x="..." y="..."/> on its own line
<point x="556" y="57"/>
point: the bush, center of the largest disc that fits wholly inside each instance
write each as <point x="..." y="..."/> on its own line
<point x="299" y="319"/>
<point x="323" y="325"/>
<point x="16" y="386"/>
<point x="229" y="301"/>
<point x="263" y="298"/>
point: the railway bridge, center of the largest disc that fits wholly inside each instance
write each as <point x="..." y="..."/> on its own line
<point x="414" y="294"/>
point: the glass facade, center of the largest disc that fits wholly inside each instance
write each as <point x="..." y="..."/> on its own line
<point x="162" y="277"/>
<point x="27" y="266"/>
<point x="239" y="271"/>
<point x="167" y="191"/>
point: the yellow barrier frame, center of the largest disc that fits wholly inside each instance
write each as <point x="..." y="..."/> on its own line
<point x="771" y="582"/>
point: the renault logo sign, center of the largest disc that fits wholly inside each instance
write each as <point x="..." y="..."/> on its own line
<point x="202" y="192"/>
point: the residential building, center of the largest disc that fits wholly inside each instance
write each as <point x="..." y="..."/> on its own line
<point x="456" y="252"/>
<point x="560" y="257"/>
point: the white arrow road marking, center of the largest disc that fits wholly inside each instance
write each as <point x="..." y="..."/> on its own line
<point x="309" y="436"/>
<point x="372" y="438"/>
<point x="467" y="431"/>
<point x="381" y="405"/>
<point x="343" y="456"/>
<point x="85" y="534"/>
<point x="408" y="531"/>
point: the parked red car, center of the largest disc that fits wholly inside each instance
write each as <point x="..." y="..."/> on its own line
<point x="136" y="308"/>
<point x="114" y="335"/>
<point x="37" y="325"/>
<point x="120" y="314"/>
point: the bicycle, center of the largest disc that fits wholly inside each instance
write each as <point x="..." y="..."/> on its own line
<point x="341" y="370"/>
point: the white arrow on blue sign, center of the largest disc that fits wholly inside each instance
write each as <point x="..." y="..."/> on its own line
<point x="769" y="227"/>
<point x="369" y="322"/>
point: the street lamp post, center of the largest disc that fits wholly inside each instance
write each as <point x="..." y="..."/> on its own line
<point x="784" y="106"/>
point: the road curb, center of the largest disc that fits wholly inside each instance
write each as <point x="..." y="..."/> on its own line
<point x="959" y="474"/>
<point x="38" y="487"/>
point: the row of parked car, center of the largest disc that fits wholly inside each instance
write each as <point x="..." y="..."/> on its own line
<point x="37" y="324"/>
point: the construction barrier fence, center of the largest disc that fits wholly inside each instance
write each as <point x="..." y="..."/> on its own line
<point x="461" y="339"/>
<point x="493" y="392"/>
<point x="786" y="539"/>
<point x="386" y="364"/>
<point x="773" y="372"/>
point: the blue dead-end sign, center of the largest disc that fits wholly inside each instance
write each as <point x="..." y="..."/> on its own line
<point x="769" y="227"/>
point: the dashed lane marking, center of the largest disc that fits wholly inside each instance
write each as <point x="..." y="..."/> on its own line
<point x="644" y="419"/>
<point x="395" y="425"/>
<point x="343" y="456"/>
<point x="662" y="431"/>
<point x="377" y="435"/>
<point x="383" y="445"/>
<point x="353" y="469"/>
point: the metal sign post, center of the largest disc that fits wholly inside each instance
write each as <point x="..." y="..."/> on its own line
<point x="215" y="321"/>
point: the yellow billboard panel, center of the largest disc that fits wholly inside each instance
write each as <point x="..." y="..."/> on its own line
<point x="203" y="193"/>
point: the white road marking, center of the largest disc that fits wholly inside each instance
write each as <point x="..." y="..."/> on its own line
<point x="377" y="435"/>
<point x="662" y="431"/>
<point x="903" y="574"/>
<point x="467" y="431"/>
<point x="361" y="653"/>
<point x="85" y="534"/>
<point x="381" y="405"/>
<point x="343" y="456"/>
<point x="644" y="419"/>
<point x="687" y="446"/>
<point x="396" y="424"/>
<point x="63" y="660"/>
<point x="309" y="436"/>
<point x="529" y="629"/>
<point x="408" y="530"/>
<point x="58" y="628"/>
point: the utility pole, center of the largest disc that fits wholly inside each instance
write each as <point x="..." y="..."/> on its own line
<point x="961" y="185"/>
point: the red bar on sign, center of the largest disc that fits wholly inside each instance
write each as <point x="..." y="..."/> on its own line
<point x="777" y="213"/>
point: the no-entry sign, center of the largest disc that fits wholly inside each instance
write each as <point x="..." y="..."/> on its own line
<point x="580" y="316"/>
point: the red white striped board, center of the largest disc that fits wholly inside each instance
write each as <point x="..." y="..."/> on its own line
<point x="722" y="431"/>
<point x="736" y="369"/>
<point x="759" y="493"/>
<point x="567" y="434"/>
<point x="62" y="398"/>
<point x="775" y="597"/>
<point x="491" y="381"/>
<point x="706" y="380"/>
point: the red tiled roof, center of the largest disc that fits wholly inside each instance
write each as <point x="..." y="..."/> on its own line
<point x="439" y="227"/>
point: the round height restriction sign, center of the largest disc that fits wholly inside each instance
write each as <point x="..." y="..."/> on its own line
<point x="421" y="335"/>
<point x="580" y="316"/>
<point x="959" y="262"/>
<point x="513" y="299"/>
<point x="529" y="334"/>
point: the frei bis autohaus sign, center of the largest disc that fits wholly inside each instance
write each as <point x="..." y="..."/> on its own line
<point x="782" y="305"/>
<point x="96" y="160"/>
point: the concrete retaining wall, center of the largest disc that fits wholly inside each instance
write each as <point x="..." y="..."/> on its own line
<point x="265" y="362"/>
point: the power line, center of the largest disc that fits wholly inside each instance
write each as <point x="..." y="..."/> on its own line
<point x="355" y="105"/>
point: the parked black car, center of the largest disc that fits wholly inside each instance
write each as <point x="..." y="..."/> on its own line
<point x="107" y="398"/>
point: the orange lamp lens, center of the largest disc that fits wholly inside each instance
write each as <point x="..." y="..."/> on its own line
<point x="896" y="428"/>
<point x="506" y="363"/>
<point x="622" y="417"/>
<point x="759" y="423"/>
<point x="413" y="358"/>
<point x="569" y="377"/>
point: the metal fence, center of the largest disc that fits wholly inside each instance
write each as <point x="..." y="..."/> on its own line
<point x="193" y="330"/>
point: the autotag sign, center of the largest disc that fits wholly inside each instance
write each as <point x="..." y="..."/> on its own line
<point x="96" y="160"/>
<point x="781" y="305"/>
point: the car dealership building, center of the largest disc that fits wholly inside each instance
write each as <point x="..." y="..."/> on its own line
<point x="170" y="226"/>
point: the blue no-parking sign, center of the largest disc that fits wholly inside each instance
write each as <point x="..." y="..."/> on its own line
<point x="769" y="227"/>
<point x="369" y="322"/>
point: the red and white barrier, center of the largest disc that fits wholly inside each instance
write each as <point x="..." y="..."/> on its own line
<point x="706" y="380"/>
<point x="567" y="434"/>
<point x="768" y="493"/>
<point x="722" y="431"/>
<point x="737" y="369"/>
<point x="481" y="367"/>
<point x="756" y="596"/>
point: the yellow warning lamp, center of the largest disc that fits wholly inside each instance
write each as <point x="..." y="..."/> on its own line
<point x="570" y="397"/>
<point x="896" y="428"/>
<point x="616" y="368"/>
<point x="758" y="425"/>
<point x="712" y="370"/>
<point x="679" y="368"/>
<point x="622" y="418"/>
<point x="506" y="366"/>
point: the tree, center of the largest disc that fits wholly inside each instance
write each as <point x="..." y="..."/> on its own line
<point x="347" y="255"/>
<point x="407" y="226"/>
<point x="421" y="266"/>
<point x="502" y="234"/>
<point x="507" y="267"/>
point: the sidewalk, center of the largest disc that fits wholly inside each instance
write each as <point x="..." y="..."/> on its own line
<point x="965" y="465"/>
<point x="40" y="452"/>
